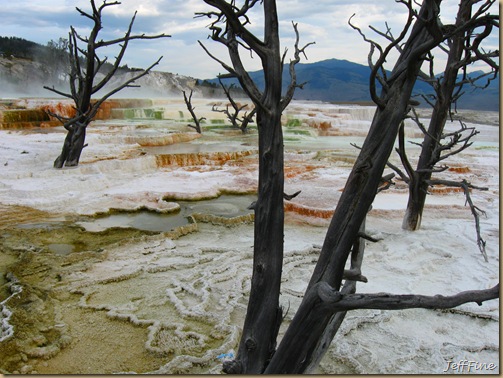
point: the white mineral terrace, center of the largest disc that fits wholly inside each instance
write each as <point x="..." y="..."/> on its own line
<point x="173" y="300"/>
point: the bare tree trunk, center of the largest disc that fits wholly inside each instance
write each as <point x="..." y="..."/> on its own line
<point x="295" y="351"/>
<point x="264" y="316"/>
<point x="197" y="121"/>
<point x="430" y="155"/>
<point x="418" y="184"/>
<point x="337" y="318"/>
<point x="72" y="146"/>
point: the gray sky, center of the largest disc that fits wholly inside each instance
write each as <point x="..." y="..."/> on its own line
<point x="321" y="21"/>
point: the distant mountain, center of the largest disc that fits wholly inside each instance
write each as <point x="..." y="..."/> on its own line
<point x="335" y="80"/>
<point x="474" y="97"/>
<point x="327" y="80"/>
<point x="26" y="66"/>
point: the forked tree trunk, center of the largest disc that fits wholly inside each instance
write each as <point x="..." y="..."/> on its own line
<point x="418" y="184"/>
<point x="337" y="319"/>
<point x="295" y="351"/>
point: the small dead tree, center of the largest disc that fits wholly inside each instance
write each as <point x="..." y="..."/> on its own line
<point x="85" y="65"/>
<point x="197" y="121"/>
<point x="462" y="49"/>
<point x="233" y="116"/>
<point x="311" y="329"/>
<point x="447" y="145"/>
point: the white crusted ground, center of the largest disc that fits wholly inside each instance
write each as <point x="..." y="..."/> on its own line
<point x="190" y="293"/>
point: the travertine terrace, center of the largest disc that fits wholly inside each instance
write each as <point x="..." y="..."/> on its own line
<point x="139" y="259"/>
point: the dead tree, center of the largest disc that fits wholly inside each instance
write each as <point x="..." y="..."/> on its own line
<point x="324" y="298"/>
<point x="447" y="145"/>
<point x="85" y="65"/>
<point x="296" y="350"/>
<point x="464" y="48"/>
<point x="309" y="325"/>
<point x="197" y="121"/>
<point x="233" y="116"/>
<point x="264" y="314"/>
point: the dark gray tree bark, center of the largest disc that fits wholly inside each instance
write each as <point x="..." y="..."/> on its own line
<point x="264" y="315"/>
<point x="324" y="300"/>
<point x="84" y="66"/>
<point x="295" y="351"/>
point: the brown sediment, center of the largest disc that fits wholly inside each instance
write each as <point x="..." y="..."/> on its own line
<point x="52" y="333"/>
<point x="336" y="131"/>
<point x="90" y="328"/>
<point x="321" y="126"/>
<point x="325" y="129"/>
<point x="208" y="158"/>
<point x="16" y="116"/>
<point x="292" y="171"/>
<point x="224" y="221"/>
<point x="180" y="231"/>
<point x="443" y="189"/>
<point x="15" y="215"/>
<point x="308" y="211"/>
<point x="163" y="140"/>
<point x="63" y="109"/>
<point x="459" y="169"/>
<point x="22" y="118"/>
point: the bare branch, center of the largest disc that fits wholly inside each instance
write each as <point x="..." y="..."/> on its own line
<point x="399" y="172"/>
<point x="401" y="151"/>
<point x="232" y="17"/>
<point x="197" y="121"/>
<point x="244" y="78"/>
<point x="293" y="76"/>
<point x="52" y="89"/>
<point x="456" y="138"/>
<point x="466" y="186"/>
<point x="120" y="87"/>
<point x="233" y="117"/>
<point x="289" y="197"/>
<point x="377" y="69"/>
<point x="336" y="301"/>
<point x="354" y="275"/>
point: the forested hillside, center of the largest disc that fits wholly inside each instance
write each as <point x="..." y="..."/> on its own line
<point x="19" y="47"/>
